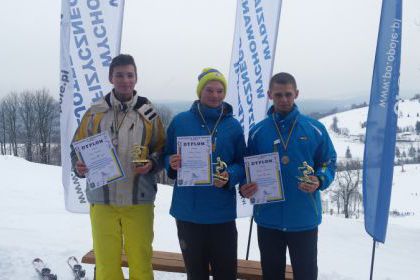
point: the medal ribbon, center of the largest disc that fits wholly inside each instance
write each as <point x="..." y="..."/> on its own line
<point x="281" y="137"/>
<point x="211" y="132"/>
<point x="117" y="126"/>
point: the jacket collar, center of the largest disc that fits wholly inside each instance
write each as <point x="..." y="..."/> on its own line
<point x="211" y="113"/>
<point x="110" y="101"/>
<point x="115" y="103"/>
<point x="287" y="119"/>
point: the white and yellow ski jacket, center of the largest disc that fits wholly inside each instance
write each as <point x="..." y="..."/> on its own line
<point x="129" y="123"/>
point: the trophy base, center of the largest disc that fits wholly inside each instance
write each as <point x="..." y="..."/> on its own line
<point x="140" y="162"/>
<point x="221" y="178"/>
<point x="306" y="180"/>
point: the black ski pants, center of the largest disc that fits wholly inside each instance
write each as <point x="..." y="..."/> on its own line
<point x="205" y="245"/>
<point x="302" y="247"/>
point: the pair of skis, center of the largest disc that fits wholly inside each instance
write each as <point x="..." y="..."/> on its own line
<point x="44" y="272"/>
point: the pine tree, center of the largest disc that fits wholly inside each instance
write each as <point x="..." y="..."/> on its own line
<point x="334" y="126"/>
<point x="397" y="152"/>
<point x="412" y="152"/>
<point x="348" y="153"/>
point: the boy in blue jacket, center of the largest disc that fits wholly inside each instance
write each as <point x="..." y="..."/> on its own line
<point x="293" y="223"/>
<point x="205" y="215"/>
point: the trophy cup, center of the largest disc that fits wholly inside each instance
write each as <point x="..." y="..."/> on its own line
<point x="139" y="155"/>
<point x="220" y="167"/>
<point x="307" y="171"/>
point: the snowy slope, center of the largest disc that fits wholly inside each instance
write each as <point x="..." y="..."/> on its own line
<point x="34" y="223"/>
<point x="351" y="122"/>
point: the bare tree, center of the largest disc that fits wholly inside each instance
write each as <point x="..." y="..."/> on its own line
<point x="347" y="187"/>
<point x="54" y="150"/>
<point x="27" y="115"/>
<point x="45" y="112"/>
<point x="356" y="201"/>
<point x="335" y="198"/>
<point x="10" y="113"/>
<point x="2" y="129"/>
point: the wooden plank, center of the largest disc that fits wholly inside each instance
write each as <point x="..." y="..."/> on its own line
<point x="173" y="262"/>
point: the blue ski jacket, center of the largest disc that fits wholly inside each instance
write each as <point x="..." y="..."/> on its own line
<point x="207" y="204"/>
<point x="310" y="142"/>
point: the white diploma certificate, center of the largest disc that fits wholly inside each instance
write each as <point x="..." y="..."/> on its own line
<point x="265" y="170"/>
<point x="196" y="168"/>
<point x="100" y="157"/>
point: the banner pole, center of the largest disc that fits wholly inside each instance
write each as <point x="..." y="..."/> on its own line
<point x="249" y="236"/>
<point x="120" y="30"/>
<point x="276" y="32"/>
<point x="373" y="259"/>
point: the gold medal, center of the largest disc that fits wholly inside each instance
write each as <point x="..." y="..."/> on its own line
<point x="213" y="147"/>
<point x="285" y="159"/>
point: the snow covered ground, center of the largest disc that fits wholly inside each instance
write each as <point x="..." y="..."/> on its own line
<point x="34" y="223"/>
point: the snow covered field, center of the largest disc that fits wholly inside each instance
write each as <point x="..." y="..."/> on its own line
<point x="34" y="223"/>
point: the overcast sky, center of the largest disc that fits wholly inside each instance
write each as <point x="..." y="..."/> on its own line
<point x="329" y="45"/>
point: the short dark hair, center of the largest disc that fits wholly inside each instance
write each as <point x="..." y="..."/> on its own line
<point x="122" y="60"/>
<point x="283" y="78"/>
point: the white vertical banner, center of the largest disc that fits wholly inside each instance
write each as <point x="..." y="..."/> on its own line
<point x="90" y="37"/>
<point x="251" y="66"/>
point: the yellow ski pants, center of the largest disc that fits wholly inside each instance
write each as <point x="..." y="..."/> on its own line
<point x="116" y="226"/>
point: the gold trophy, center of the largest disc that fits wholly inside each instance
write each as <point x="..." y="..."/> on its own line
<point x="220" y="167"/>
<point x="307" y="171"/>
<point x="139" y="154"/>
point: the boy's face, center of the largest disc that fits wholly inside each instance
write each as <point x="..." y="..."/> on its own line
<point x="283" y="96"/>
<point x="212" y="94"/>
<point x="124" y="79"/>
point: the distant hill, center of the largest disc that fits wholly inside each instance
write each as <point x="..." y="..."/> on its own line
<point x="307" y="106"/>
<point x="321" y="106"/>
<point x="315" y="107"/>
<point x="350" y="131"/>
<point x="350" y="122"/>
<point x="175" y="106"/>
